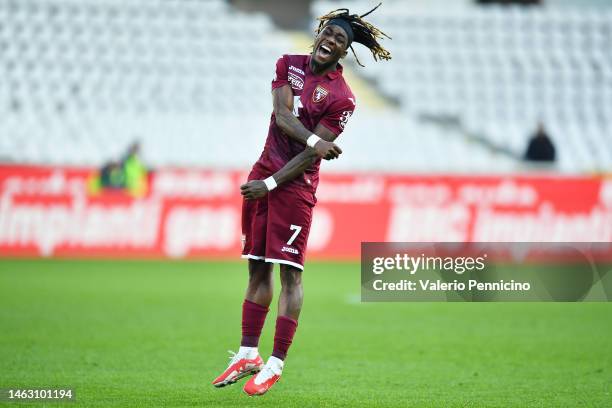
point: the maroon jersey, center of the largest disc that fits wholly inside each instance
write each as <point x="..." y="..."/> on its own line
<point x="323" y="99"/>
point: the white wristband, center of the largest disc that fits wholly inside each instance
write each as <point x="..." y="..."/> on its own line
<point x="312" y="140"/>
<point x="270" y="183"/>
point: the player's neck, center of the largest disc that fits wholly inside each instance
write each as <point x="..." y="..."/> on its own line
<point x="321" y="70"/>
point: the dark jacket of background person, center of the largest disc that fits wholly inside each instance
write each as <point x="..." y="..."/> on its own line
<point x="540" y="148"/>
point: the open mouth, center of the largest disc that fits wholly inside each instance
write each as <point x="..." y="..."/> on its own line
<point x="324" y="51"/>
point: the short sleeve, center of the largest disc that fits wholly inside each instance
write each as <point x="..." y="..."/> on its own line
<point x="280" y="78"/>
<point x="339" y="112"/>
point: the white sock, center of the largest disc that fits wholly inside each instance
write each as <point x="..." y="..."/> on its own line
<point x="248" y="352"/>
<point x="276" y="364"/>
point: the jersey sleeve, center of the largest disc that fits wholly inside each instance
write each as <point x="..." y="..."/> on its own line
<point x="338" y="115"/>
<point x="280" y="78"/>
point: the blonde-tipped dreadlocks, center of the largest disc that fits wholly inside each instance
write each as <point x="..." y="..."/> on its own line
<point x="364" y="32"/>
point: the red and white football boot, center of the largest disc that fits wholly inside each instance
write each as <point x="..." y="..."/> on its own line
<point x="267" y="377"/>
<point x="246" y="362"/>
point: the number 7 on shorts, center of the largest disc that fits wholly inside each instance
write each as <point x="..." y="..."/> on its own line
<point x="297" y="230"/>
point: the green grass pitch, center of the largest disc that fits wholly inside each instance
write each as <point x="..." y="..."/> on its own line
<point x="144" y="333"/>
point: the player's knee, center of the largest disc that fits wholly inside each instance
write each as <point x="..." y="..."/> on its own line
<point x="260" y="273"/>
<point x="291" y="277"/>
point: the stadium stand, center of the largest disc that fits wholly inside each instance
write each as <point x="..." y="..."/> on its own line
<point x="498" y="71"/>
<point x="80" y="80"/>
<point x="190" y="80"/>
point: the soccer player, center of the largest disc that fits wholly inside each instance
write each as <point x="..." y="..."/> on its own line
<point x="312" y="104"/>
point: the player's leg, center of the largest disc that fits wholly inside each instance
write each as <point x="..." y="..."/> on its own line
<point x="247" y="360"/>
<point x="292" y="292"/>
<point x="289" y="222"/>
<point x="260" y="287"/>
<point x="289" y="307"/>
<point x="256" y="305"/>
<point x="258" y="294"/>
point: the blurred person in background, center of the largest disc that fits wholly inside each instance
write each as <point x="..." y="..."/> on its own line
<point x="135" y="171"/>
<point x="540" y="148"/>
<point x="112" y="176"/>
<point x="311" y="105"/>
<point x="128" y="174"/>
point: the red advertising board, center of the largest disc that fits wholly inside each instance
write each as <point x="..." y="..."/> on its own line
<point x="48" y="211"/>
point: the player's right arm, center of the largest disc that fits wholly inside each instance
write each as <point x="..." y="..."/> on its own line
<point x="282" y="103"/>
<point x="282" y="100"/>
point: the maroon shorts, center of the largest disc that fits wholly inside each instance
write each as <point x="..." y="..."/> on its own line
<point x="275" y="228"/>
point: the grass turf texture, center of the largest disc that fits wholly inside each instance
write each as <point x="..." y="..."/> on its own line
<point x="131" y="333"/>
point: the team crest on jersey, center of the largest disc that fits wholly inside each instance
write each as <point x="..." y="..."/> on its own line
<point x="319" y="94"/>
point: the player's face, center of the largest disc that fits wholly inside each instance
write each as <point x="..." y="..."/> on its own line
<point x="330" y="45"/>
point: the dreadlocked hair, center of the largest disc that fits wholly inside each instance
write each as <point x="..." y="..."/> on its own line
<point x="364" y="32"/>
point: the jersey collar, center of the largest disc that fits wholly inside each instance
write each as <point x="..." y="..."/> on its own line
<point x="331" y="75"/>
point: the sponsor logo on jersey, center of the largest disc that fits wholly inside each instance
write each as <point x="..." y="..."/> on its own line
<point x="295" y="81"/>
<point x="289" y="249"/>
<point x="294" y="69"/>
<point x="319" y="94"/>
<point x="344" y="118"/>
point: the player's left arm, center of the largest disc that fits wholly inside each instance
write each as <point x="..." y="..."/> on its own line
<point x="255" y="189"/>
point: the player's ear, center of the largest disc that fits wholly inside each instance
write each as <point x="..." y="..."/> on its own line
<point x="344" y="53"/>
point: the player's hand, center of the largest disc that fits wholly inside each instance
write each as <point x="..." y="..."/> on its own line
<point x="254" y="189"/>
<point x="327" y="150"/>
